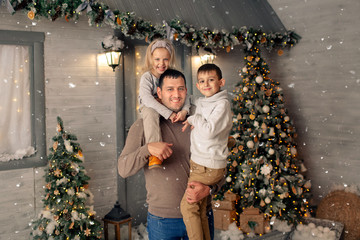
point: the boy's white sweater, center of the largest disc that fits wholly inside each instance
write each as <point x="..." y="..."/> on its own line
<point x="212" y="123"/>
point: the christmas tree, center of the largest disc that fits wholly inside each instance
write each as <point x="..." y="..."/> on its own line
<point x="263" y="166"/>
<point x="65" y="214"/>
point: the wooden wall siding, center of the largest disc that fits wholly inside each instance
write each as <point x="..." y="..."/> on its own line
<point x="88" y="111"/>
<point x="324" y="101"/>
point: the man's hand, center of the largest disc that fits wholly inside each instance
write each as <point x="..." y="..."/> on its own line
<point x="161" y="150"/>
<point x="196" y="191"/>
<point x="180" y="116"/>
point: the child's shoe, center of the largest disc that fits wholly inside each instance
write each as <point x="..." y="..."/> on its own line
<point x="154" y="162"/>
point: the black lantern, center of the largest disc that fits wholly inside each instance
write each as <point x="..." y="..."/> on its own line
<point x="113" y="58"/>
<point x="117" y="216"/>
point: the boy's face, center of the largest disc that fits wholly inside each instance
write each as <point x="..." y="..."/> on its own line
<point x="160" y="61"/>
<point x="209" y="83"/>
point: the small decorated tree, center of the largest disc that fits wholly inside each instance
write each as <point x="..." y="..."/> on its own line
<point x="65" y="214"/>
<point x="263" y="167"/>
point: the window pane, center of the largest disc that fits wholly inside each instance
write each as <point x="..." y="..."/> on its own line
<point x="15" y="112"/>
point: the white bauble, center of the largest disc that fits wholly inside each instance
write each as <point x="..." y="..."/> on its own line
<point x="228" y="179"/>
<point x="286" y="118"/>
<point x="245" y="89"/>
<point x="271" y="151"/>
<point x="256" y="123"/>
<point x="293" y="150"/>
<point x="259" y="79"/>
<point x="267" y="200"/>
<point x="250" y="144"/>
<point x="244" y="69"/>
<point x="266" y="109"/>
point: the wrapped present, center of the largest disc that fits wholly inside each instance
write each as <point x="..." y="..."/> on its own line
<point x="223" y="205"/>
<point x="230" y="196"/>
<point x="252" y="220"/>
<point x="223" y="218"/>
<point x="228" y="203"/>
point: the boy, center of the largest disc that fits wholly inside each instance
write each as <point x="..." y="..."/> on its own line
<point x="211" y="126"/>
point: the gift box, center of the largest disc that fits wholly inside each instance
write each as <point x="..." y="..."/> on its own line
<point x="252" y="220"/>
<point x="223" y="218"/>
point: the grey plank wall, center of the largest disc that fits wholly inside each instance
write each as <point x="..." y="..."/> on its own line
<point x="88" y="111"/>
<point x="321" y="81"/>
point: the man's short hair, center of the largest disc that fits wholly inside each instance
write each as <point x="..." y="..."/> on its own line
<point x="170" y="73"/>
<point x="210" y="67"/>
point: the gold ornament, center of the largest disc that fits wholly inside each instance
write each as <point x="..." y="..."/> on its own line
<point x="231" y="142"/>
<point x="55" y="145"/>
<point x="57" y="172"/>
<point x="118" y="21"/>
<point x="31" y="15"/>
<point x="71" y="225"/>
<point x="58" y="128"/>
<point x="87" y="232"/>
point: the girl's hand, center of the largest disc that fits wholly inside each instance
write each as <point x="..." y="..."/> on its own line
<point x="180" y="116"/>
<point x="172" y="117"/>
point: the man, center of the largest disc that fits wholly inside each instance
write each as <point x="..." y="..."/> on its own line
<point x="165" y="186"/>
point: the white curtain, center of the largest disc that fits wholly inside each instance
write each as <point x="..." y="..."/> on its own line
<point x="15" y="118"/>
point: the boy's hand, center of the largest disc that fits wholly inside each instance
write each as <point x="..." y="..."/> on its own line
<point x="186" y="125"/>
<point x="161" y="150"/>
<point x="180" y="116"/>
<point x="172" y="117"/>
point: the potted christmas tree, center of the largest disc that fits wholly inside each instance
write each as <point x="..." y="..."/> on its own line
<point x="65" y="214"/>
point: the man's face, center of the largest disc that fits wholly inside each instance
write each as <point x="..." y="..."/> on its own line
<point x="173" y="93"/>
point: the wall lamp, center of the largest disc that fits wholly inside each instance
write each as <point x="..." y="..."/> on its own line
<point x="207" y="56"/>
<point x="112" y="46"/>
<point x="113" y="58"/>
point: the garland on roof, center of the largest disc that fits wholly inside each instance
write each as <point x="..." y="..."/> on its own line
<point x="100" y="14"/>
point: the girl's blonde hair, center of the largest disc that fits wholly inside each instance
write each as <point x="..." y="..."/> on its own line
<point x="159" y="43"/>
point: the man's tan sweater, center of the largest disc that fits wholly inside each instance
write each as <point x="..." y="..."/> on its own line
<point x="166" y="185"/>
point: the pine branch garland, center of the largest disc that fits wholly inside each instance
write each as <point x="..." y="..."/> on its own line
<point x="100" y="14"/>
